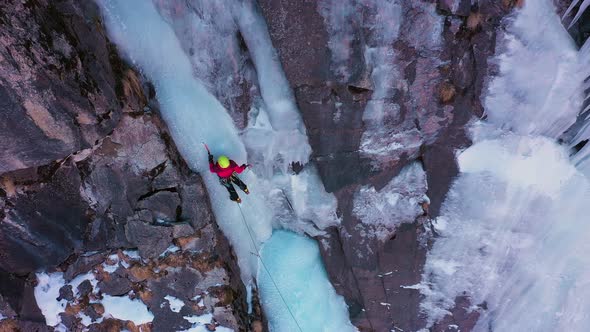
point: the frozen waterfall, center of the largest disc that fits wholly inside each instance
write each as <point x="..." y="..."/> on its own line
<point x="193" y="116"/>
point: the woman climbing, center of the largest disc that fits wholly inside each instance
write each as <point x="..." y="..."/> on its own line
<point x="227" y="170"/>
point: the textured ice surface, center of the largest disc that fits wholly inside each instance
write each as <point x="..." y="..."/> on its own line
<point x="399" y="201"/>
<point x="583" y="6"/>
<point x="514" y="227"/>
<point x="294" y="262"/>
<point x="387" y="131"/>
<point x="340" y="18"/>
<point x="537" y="90"/>
<point x="276" y="92"/>
<point x="193" y="116"/>
<point x="512" y="233"/>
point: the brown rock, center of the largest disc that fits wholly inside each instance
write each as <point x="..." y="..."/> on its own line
<point x="256" y="326"/>
<point x="85" y="170"/>
<point x="474" y="20"/>
<point x="513" y="3"/>
<point x="9" y="325"/>
<point x="447" y="93"/>
<point x="140" y="273"/>
<point x="132" y="88"/>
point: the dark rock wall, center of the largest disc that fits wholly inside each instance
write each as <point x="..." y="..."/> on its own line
<point x="86" y="164"/>
<point x="58" y="84"/>
<point x="445" y="80"/>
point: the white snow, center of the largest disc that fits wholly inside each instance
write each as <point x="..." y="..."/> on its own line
<point x="343" y="24"/>
<point x="174" y="303"/>
<point x="124" y="308"/>
<point x="87" y="320"/>
<point x="513" y="228"/>
<point x="132" y="254"/>
<point x="46" y="294"/>
<point x="170" y="250"/>
<point x="203" y="319"/>
<point x="199" y="324"/>
<point x="398" y="202"/>
<point x="296" y="266"/>
<point x="110" y="268"/>
<point x="378" y="139"/>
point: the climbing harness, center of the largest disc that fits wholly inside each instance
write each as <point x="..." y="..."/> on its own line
<point x="257" y="254"/>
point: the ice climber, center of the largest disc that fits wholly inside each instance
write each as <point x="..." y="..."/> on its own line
<point x="227" y="170"/>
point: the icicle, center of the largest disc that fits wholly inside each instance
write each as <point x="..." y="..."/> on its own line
<point x="581" y="11"/>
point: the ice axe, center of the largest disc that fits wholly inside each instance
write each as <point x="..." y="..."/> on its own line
<point x="206" y="147"/>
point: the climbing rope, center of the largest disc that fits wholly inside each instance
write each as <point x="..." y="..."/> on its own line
<point x="257" y="254"/>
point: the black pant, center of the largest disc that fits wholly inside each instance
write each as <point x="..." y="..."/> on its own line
<point x="227" y="183"/>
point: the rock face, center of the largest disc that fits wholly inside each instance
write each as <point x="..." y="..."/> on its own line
<point x="87" y="165"/>
<point x="332" y="53"/>
<point x="58" y="87"/>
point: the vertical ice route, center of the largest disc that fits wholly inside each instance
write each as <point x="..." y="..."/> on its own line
<point x="193" y="116"/>
<point x="514" y="227"/>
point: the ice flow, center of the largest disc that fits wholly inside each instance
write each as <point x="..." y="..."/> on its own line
<point x="193" y="116"/>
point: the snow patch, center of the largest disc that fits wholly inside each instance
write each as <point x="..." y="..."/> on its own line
<point x="46" y="294"/>
<point x="200" y="324"/>
<point x="175" y="304"/>
<point x="170" y="250"/>
<point x="110" y="268"/>
<point x="132" y="254"/>
<point x="124" y="308"/>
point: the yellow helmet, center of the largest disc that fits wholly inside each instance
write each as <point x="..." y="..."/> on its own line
<point x="223" y="161"/>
